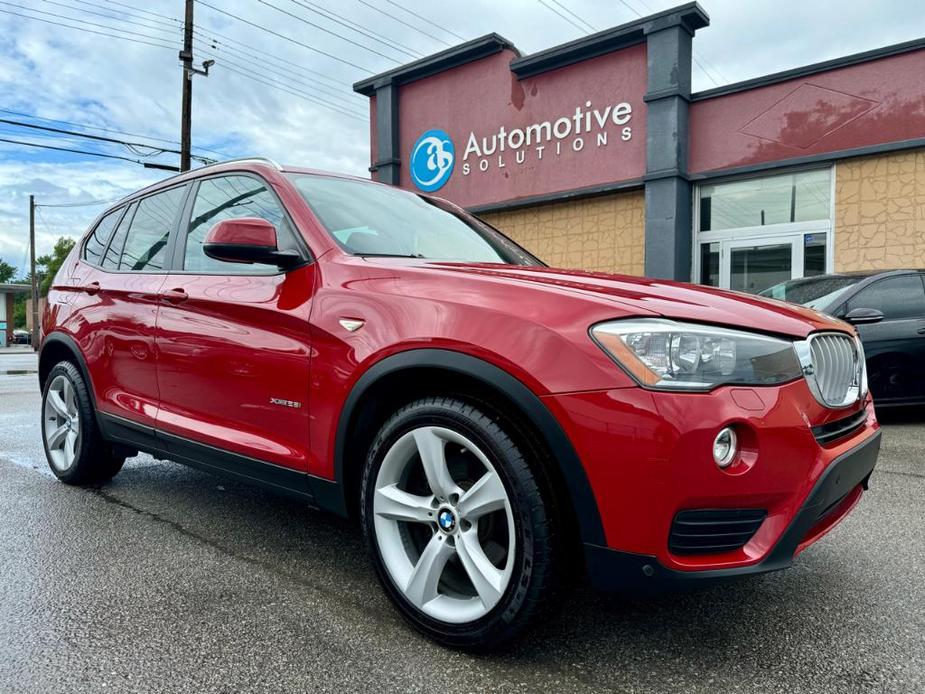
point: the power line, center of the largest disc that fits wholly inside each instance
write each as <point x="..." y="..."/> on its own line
<point x="102" y="129"/>
<point x="172" y="28"/>
<point x="89" y="203"/>
<point x="107" y="16"/>
<point x="328" y="31"/>
<point x="283" y="36"/>
<point x="357" y="27"/>
<point x="147" y="165"/>
<point x="100" y="138"/>
<point x="293" y="92"/>
<point x="222" y="61"/>
<point x="265" y="55"/>
<point x="425" y="19"/>
<point x="86" y="31"/>
<point x="402" y="21"/>
<point x="237" y="45"/>
<point x="79" y="21"/>
<point x="562" y="16"/>
<point x="576" y="16"/>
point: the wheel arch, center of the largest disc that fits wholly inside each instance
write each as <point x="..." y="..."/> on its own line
<point x="446" y="368"/>
<point x="57" y="347"/>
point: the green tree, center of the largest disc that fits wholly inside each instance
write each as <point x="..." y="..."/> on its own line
<point x="6" y="271"/>
<point x="52" y="262"/>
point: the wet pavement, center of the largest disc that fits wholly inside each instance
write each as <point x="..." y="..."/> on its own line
<point x="171" y="580"/>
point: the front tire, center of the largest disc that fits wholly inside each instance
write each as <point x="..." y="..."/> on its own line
<point x="74" y="446"/>
<point x="456" y="524"/>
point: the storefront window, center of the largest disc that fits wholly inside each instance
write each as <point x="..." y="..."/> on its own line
<point x="798" y="197"/>
<point x="709" y="264"/>
<point x="814" y="246"/>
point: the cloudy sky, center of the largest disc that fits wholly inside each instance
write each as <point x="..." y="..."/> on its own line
<point x="270" y="94"/>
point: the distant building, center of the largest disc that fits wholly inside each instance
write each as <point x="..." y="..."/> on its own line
<point x="595" y="154"/>
<point x="7" y="292"/>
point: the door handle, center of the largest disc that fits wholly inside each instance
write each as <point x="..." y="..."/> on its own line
<point x="921" y="331"/>
<point x="92" y="289"/>
<point x="174" y="296"/>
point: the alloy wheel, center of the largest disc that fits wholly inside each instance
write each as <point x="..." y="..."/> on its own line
<point x="444" y="524"/>
<point x="61" y="423"/>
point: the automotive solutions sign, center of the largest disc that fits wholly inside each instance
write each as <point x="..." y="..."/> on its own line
<point x="480" y="136"/>
<point x="433" y="155"/>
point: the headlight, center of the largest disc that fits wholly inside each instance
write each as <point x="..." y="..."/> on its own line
<point x="669" y="355"/>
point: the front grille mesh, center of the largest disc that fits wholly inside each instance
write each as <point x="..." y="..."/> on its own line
<point x="836" y="368"/>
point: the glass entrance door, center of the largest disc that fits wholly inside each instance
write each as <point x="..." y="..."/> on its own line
<point x="753" y="264"/>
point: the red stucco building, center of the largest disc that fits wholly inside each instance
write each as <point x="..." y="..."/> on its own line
<point x="596" y="154"/>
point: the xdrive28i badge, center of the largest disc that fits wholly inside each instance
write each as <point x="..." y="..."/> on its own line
<point x="432" y="159"/>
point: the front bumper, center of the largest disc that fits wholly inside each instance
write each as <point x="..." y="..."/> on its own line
<point x="835" y="493"/>
<point x="648" y="457"/>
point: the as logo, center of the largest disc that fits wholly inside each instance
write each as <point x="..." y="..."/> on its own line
<point x="432" y="159"/>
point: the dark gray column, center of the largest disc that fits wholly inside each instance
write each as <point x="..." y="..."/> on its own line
<point x="669" y="204"/>
<point x="385" y="169"/>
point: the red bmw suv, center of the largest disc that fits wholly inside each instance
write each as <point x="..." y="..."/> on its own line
<point x="492" y="422"/>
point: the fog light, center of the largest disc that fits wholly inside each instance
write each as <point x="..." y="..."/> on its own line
<point x="724" y="447"/>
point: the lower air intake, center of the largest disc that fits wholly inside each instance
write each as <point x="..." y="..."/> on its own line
<point x="712" y="531"/>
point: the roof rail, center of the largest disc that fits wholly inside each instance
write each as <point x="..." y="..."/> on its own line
<point x="262" y="160"/>
<point x="265" y="160"/>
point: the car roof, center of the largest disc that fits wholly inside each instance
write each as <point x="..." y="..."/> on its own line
<point x="859" y="274"/>
<point x="253" y="164"/>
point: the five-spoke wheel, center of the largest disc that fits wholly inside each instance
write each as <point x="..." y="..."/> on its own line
<point x="457" y="523"/>
<point x="444" y="524"/>
<point x="62" y="423"/>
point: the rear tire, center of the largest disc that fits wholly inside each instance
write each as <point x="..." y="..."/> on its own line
<point x="74" y="446"/>
<point x="457" y="527"/>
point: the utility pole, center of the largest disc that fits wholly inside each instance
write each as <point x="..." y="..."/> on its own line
<point x="186" y="59"/>
<point x="35" y="278"/>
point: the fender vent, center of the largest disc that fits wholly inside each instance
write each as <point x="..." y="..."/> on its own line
<point x="712" y="531"/>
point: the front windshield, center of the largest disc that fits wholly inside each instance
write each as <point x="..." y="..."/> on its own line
<point x="376" y="220"/>
<point x="815" y="292"/>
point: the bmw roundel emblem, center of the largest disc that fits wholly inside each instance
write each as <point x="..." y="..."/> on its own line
<point x="432" y="159"/>
<point x="447" y="520"/>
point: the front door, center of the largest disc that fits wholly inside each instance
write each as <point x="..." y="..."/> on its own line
<point x="233" y="339"/>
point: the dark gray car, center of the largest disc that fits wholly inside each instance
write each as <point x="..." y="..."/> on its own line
<point x="888" y="308"/>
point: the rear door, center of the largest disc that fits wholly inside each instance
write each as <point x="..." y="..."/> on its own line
<point x="116" y="304"/>
<point x="233" y="339"/>
<point x="895" y="347"/>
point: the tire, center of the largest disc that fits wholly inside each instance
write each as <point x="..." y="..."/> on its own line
<point x="74" y="446"/>
<point x="430" y="534"/>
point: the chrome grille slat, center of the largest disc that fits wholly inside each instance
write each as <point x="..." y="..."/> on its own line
<point x="837" y="366"/>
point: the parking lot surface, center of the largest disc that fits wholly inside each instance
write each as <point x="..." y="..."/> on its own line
<point x="172" y="580"/>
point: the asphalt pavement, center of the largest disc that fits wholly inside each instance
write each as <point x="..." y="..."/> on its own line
<point x="171" y="580"/>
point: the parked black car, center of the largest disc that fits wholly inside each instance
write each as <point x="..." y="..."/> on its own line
<point x="22" y="337"/>
<point x="888" y="308"/>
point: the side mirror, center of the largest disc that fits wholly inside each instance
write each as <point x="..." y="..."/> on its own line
<point x="862" y="316"/>
<point x="247" y="240"/>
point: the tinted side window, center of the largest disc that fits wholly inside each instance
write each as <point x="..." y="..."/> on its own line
<point x="896" y="297"/>
<point x="146" y="245"/>
<point x="96" y="242"/>
<point x="111" y="260"/>
<point x="230" y="197"/>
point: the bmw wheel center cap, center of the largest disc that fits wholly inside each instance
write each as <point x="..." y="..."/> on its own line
<point x="446" y="519"/>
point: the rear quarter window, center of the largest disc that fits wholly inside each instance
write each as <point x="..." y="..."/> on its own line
<point x="96" y="242"/>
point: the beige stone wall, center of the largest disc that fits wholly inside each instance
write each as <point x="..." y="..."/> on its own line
<point x="604" y="233"/>
<point x="880" y="212"/>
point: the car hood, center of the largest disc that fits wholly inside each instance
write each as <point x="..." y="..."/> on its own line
<point x="653" y="297"/>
